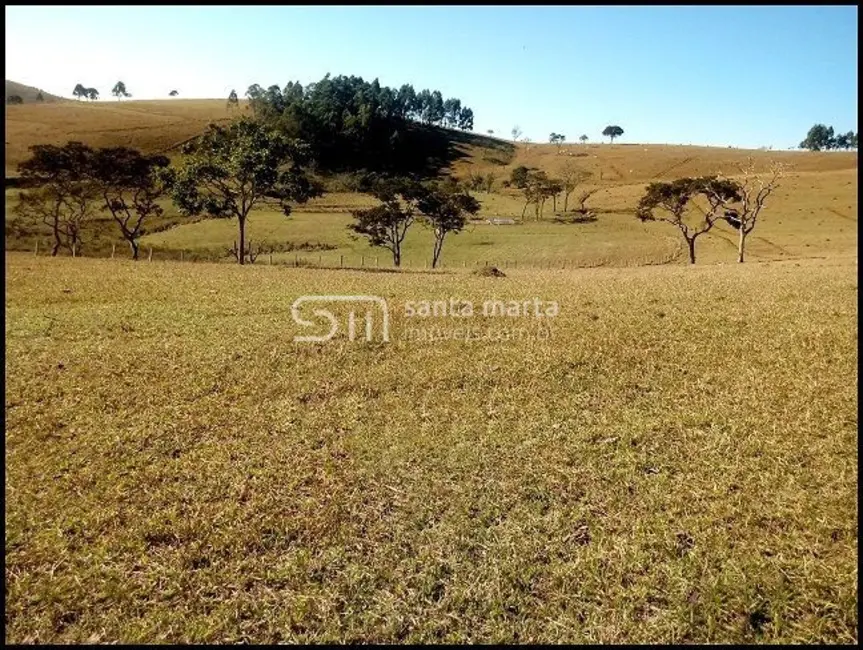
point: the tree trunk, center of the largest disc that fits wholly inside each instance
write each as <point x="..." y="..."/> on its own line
<point x="554" y="202"/>
<point x="241" y="254"/>
<point x="740" y="245"/>
<point x="691" y="243"/>
<point x="523" y="212"/>
<point x="565" y="201"/>
<point x="134" y="246"/>
<point x="397" y="256"/>
<point x="438" y="246"/>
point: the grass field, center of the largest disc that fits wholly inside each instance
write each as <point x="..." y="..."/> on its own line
<point x="674" y="461"/>
<point x="670" y="458"/>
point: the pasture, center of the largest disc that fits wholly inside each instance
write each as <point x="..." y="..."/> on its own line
<point x="675" y="462"/>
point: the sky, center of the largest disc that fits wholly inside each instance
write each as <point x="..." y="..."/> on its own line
<point x="723" y="76"/>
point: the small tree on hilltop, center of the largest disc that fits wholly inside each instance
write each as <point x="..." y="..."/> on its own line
<point x="229" y="170"/>
<point x="119" y="90"/>
<point x="173" y="93"/>
<point x="744" y="204"/>
<point x="516" y="133"/>
<point x="612" y="132"/>
<point x="92" y="94"/>
<point x="387" y="224"/>
<point x="79" y="91"/>
<point x="40" y="97"/>
<point x="583" y="138"/>
<point x="673" y="202"/>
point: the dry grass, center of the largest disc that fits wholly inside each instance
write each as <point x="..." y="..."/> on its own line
<point x="676" y="463"/>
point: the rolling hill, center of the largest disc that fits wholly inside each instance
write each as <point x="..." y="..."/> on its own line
<point x="29" y="93"/>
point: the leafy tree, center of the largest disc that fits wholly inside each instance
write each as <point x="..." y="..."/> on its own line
<point x="119" y="90"/>
<point x="571" y="177"/>
<point x="672" y="203"/>
<point x="743" y="205"/>
<point x="852" y="140"/>
<point x="387" y="224"/>
<point x="488" y="182"/>
<point x="40" y="97"/>
<point x="516" y="133"/>
<point x="612" y="132"/>
<point x="519" y="176"/>
<point x="64" y="198"/>
<point x="553" y="188"/>
<point x="557" y="138"/>
<point x="130" y="185"/>
<point x="173" y="93"/>
<point x="14" y="99"/>
<point x="229" y="170"/>
<point x="819" y="137"/>
<point x="92" y="94"/>
<point x="841" y="141"/>
<point x="465" y="119"/>
<point x="583" y="138"/>
<point x="452" y="112"/>
<point x="490" y="131"/>
<point x="79" y="91"/>
<point x="445" y="212"/>
<point x="233" y="102"/>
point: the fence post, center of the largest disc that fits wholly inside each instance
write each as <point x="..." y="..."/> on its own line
<point x="74" y="247"/>
<point x="376" y="262"/>
<point x="271" y="259"/>
<point x="362" y="260"/>
<point x="182" y="255"/>
<point x="296" y="260"/>
<point x="150" y="255"/>
<point x="36" y="251"/>
<point x="341" y="261"/>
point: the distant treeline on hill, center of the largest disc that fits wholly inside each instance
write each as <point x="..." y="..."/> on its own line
<point x="352" y="124"/>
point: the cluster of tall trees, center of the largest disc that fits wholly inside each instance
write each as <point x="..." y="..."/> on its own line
<point x="823" y="138"/>
<point x="350" y="123"/>
<point x="88" y="93"/>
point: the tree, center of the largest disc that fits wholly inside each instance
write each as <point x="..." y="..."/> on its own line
<point x="64" y="198"/>
<point x="79" y="91"/>
<point x="516" y="133"/>
<point x="819" y="137"/>
<point x="14" y="99"/>
<point x="130" y="185"/>
<point x="119" y="90"/>
<point x="571" y="177"/>
<point x="465" y="119"/>
<point x="490" y="131"/>
<point x="557" y="138"/>
<point x="173" y="93"/>
<point x="40" y="97"/>
<point x="612" y="132"/>
<point x="452" y="111"/>
<point x="92" y="94"/>
<point x="750" y="195"/>
<point x="229" y="170"/>
<point x="387" y="224"/>
<point x="583" y="138"/>
<point x="519" y="176"/>
<point x="233" y="102"/>
<point x="445" y="212"/>
<point x="675" y="199"/>
<point x="852" y="140"/>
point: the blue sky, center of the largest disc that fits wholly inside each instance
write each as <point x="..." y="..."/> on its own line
<point x="741" y="76"/>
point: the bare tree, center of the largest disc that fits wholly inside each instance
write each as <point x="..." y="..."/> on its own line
<point x="753" y="188"/>
<point x="572" y="176"/>
<point x="516" y="133"/>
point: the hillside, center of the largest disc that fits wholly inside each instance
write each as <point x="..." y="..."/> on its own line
<point x="29" y="93"/>
<point x="161" y="125"/>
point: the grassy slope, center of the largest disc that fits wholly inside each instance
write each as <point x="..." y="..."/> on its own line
<point x="29" y="93"/>
<point x="678" y="462"/>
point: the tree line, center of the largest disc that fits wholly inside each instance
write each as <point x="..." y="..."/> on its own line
<point x="353" y="124"/>
<point x="822" y="138"/>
